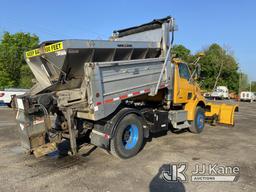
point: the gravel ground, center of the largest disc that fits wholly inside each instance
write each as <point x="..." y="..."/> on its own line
<point x="95" y="170"/>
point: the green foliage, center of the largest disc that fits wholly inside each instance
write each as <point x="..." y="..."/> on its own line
<point x="244" y="82"/>
<point x="246" y="85"/>
<point x="181" y="52"/>
<point x="215" y="58"/>
<point x="12" y="48"/>
<point x="253" y="86"/>
<point x="26" y="77"/>
<point x="5" y="80"/>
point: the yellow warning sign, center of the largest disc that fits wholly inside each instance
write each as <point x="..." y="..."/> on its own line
<point x="53" y="47"/>
<point x="47" y="49"/>
<point x="32" y="53"/>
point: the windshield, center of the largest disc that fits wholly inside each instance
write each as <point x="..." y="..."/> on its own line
<point x="184" y="71"/>
<point x="218" y="90"/>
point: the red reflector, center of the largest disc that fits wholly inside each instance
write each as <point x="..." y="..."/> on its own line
<point x="106" y="136"/>
<point x="123" y="96"/>
<point x="98" y="103"/>
<point x="1" y="94"/>
<point x="108" y="101"/>
<point x="136" y="93"/>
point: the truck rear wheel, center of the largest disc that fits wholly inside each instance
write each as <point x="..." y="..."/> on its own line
<point x="128" y="138"/>
<point x="197" y="125"/>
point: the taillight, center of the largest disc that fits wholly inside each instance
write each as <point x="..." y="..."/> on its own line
<point x="1" y="94"/>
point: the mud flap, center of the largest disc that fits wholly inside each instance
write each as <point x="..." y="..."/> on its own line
<point x="223" y="112"/>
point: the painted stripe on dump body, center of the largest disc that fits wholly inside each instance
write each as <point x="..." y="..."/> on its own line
<point x="133" y="94"/>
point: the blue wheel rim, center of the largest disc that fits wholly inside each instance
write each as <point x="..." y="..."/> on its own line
<point x="130" y="136"/>
<point x="200" y="121"/>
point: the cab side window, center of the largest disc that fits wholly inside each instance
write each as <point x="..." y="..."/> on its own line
<point x="184" y="71"/>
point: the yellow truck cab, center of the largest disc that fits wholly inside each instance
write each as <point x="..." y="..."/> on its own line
<point x="188" y="93"/>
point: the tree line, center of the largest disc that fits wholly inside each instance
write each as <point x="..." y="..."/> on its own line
<point x="14" y="72"/>
<point x="217" y="59"/>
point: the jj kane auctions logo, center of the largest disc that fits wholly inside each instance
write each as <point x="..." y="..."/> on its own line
<point x="201" y="173"/>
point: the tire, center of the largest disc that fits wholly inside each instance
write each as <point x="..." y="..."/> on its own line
<point x="197" y="125"/>
<point x="128" y="137"/>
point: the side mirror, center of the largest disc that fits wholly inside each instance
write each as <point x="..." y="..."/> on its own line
<point x="201" y="54"/>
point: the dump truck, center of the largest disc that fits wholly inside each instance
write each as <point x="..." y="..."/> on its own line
<point x="112" y="93"/>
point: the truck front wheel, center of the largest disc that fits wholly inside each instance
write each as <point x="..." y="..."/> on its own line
<point x="197" y="125"/>
<point x="128" y="137"/>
